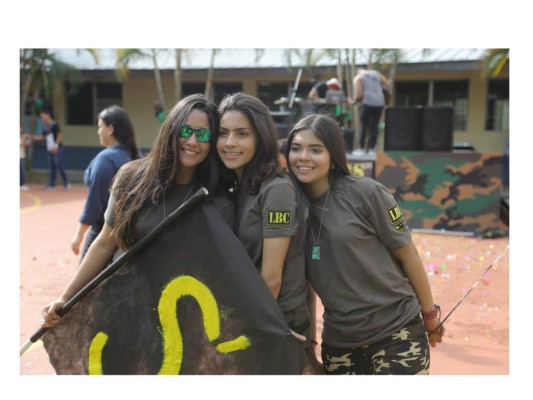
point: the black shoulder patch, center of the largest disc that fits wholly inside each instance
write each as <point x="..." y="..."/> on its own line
<point x="394" y="213"/>
<point x="399" y="226"/>
<point x="277" y="219"/>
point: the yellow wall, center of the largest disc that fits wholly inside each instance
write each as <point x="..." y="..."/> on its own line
<point x="140" y="93"/>
<point x="138" y="97"/>
<point x="484" y="141"/>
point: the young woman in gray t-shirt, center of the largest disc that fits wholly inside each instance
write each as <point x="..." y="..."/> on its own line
<point x="270" y="219"/>
<point x="361" y="261"/>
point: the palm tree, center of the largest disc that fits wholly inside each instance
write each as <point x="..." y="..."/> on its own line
<point x="494" y="62"/>
<point x="125" y="56"/>
<point x="385" y="60"/>
<point x="177" y="73"/>
<point x="40" y="71"/>
<point x="157" y="76"/>
<point x="209" y="81"/>
<point x="307" y="58"/>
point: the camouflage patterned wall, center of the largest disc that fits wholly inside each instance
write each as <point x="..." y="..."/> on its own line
<point x="444" y="191"/>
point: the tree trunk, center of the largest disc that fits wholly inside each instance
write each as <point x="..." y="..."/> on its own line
<point x="24" y="77"/>
<point x="159" y="85"/>
<point x="392" y="72"/>
<point x="348" y="76"/>
<point x="340" y="68"/>
<point x="177" y="76"/>
<point x="209" y="80"/>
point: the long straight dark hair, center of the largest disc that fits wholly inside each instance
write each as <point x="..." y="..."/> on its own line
<point x="123" y="130"/>
<point x="142" y="181"/>
<point x="264" y="163"/>
<point x="328" y="131"/>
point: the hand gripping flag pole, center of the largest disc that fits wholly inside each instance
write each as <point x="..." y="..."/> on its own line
<point x="119" y="262"/>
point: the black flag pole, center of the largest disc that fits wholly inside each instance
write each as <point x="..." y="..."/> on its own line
<point x="119" y="262"/>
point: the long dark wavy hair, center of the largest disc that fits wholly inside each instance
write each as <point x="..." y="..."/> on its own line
<point x="143" y="181"/>
<point x="123" y="130"/>
<point x="264" y="163"/>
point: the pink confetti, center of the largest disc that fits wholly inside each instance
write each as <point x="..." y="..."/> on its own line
<point x="430" y="267"/>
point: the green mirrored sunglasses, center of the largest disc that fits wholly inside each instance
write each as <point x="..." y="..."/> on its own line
<point x="202" y="134"/>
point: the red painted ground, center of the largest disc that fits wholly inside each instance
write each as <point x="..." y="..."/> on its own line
<point x="477" y="334"/>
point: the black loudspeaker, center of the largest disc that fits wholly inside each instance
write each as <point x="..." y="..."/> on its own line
<point x="419" y="128"/>
<point x="436" y="129"/>
<point x="282" y="120"/>
<point x="283" y="130"/>
<point x="402" y="128"/>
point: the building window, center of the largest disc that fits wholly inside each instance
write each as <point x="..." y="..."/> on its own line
<point x="436" y="93"/>
<point x="409" y="94"/>
<point x="192" y="88"/>
<point x="498" y="105"/>
<point x="269" y="92"/>
<point x="453" y="94"/>
<point x="84" y="102"/>
<point x="223" y="89"/>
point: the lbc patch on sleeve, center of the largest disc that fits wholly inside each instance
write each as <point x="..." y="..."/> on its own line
<point x="396" y="217"/>
<point x="278" y="219"/>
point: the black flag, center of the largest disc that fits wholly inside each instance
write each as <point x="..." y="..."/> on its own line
<point x="191" y="302"/>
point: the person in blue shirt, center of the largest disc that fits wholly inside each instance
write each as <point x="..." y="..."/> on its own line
<point x="116" y="134"/>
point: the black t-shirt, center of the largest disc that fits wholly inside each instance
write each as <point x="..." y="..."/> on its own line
<point x="321" y="88"/>
<point x="54" y="129"/>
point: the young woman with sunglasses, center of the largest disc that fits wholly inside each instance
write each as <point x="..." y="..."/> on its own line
<point x="147" y="190"/>
<point x="361" y="261"/>
<point x="270" y="220"/>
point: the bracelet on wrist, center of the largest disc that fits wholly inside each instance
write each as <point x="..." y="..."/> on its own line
<point x="435" y="313"/>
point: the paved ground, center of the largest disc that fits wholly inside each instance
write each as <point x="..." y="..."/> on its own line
<point x="477" y="340"/>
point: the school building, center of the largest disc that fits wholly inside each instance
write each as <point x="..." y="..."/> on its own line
<point x="438" y="77"/>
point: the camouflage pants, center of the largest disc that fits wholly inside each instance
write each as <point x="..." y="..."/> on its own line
<point x="404" y="353"/>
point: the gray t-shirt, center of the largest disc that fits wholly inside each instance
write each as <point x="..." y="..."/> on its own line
<point x="273" y="212"/>
<point x="366" y="294"/>
<point x="372" y="90"/>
